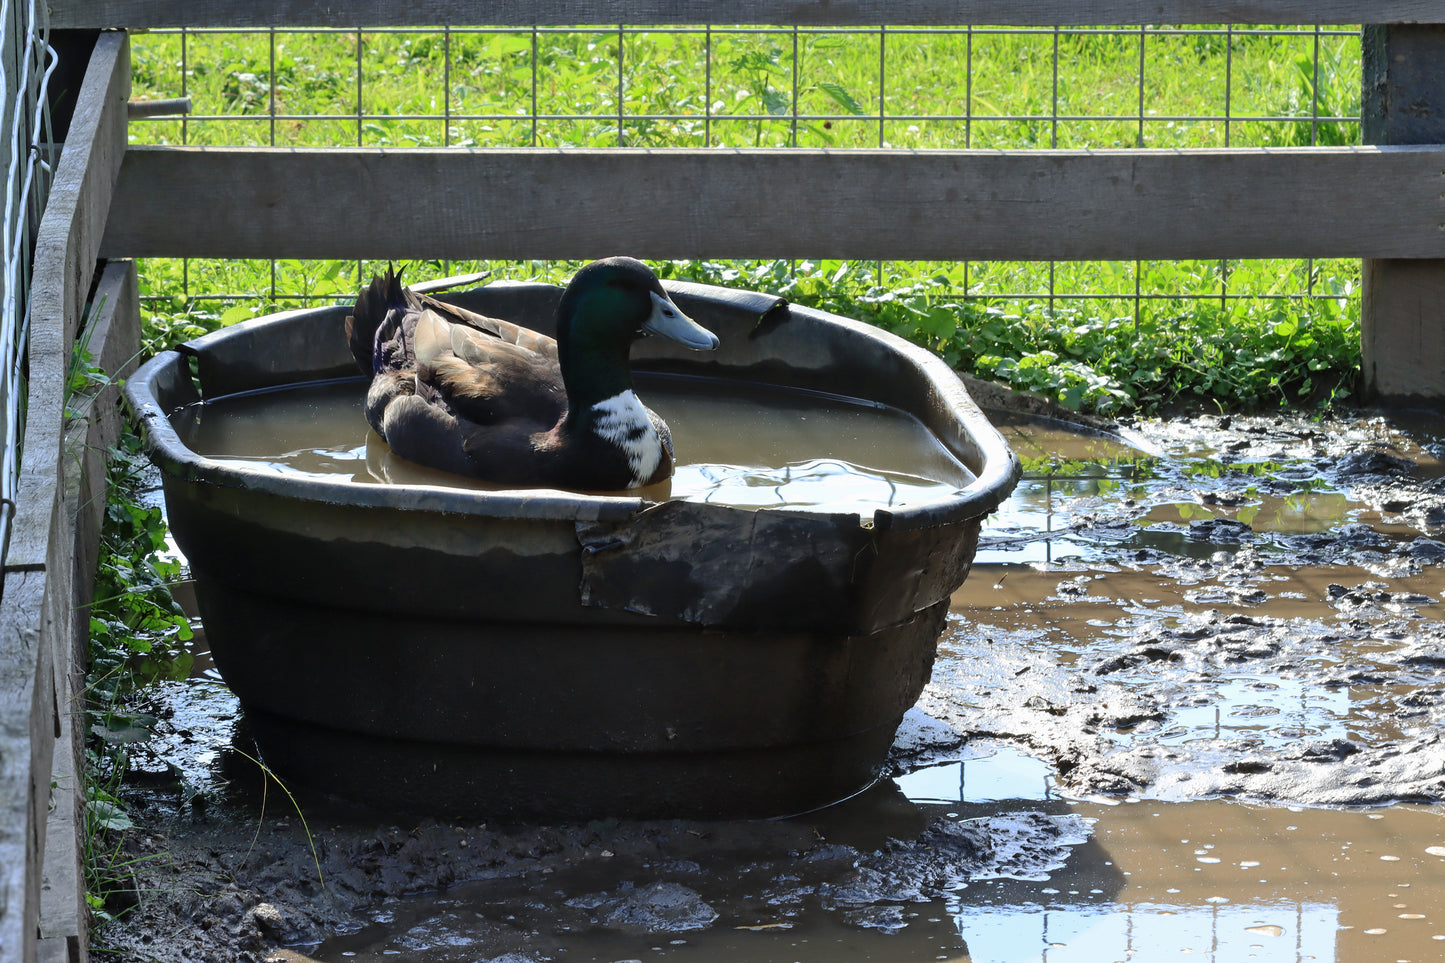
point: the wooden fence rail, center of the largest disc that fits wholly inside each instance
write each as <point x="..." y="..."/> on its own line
<point x="1377" y="202"/>
<point x="1384" y="203"/>
<point x="55" y="506"/>
<point x="152" y="14"/>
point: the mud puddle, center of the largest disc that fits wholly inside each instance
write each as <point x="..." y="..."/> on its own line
<point x="1211" y="880"/>
<point x="1187" y="703"/>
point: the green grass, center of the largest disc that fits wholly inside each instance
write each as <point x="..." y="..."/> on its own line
<point x="1102" y="335"/>
<point x="395" y="88"/>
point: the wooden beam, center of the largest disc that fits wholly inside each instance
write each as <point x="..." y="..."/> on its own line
<point x="65" y="254"/>
<point x="112" y="339"/>
<point x="35" y="615"/>
<point x="145" y="14"/>
<point x="27" y="741"/>
<point x="112" y="342"/>
<point x="1402" y="338"/>
<point x="929" y="205"/>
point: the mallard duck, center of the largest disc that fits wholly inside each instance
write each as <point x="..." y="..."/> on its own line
<point x="490" y="399"/>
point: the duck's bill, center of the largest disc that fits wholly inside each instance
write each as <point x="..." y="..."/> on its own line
<point x="668" y="320"/>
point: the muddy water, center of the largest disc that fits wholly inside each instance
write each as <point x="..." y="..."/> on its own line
<point x="1214" y="880"/>
<point x="737" y="445"/>
<point x="1187" y="706"/>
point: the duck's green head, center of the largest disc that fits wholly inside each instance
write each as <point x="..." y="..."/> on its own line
<point x="612" y="302"/>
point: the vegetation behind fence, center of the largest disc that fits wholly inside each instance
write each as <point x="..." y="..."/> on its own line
<point x="1051" y="325"/>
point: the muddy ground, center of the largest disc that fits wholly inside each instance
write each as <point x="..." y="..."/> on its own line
<point x="1310" y="570"/>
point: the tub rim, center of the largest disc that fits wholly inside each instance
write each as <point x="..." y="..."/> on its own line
<point x="999" y="470"/>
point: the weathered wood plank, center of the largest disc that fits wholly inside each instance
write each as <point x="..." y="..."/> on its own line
<point x="95" y="145"/>
<point x="1013" y="205"/>
<point x="27" y="744"/>
<point x="1402" y="340"/>
<point x="111" y="340"/>
<point x="63" y="915"/>
<point x="65" y="253"/>
<point x="382" y="13"/>
<point x="35" y="615"/>
<point x="53" y="951"/>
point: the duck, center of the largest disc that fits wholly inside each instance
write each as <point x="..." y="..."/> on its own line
<point x="492" y="400"/>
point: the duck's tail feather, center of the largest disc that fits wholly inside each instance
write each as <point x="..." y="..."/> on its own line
<point x="376" y="329"/>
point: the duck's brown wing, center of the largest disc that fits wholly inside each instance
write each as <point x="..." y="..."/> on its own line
<point x="506" y="331"/>
<point x="486" y="380"/>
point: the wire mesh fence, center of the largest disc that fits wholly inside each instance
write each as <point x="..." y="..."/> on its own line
<point x="27" y="62"/>
<point x="742" y="87"/>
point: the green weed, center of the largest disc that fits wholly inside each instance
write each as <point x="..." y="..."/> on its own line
<point x="1268" y="353"/>
<point x="134" y="614"/>
<point x="138" y="634"/>
<point x="1086" y="349"/>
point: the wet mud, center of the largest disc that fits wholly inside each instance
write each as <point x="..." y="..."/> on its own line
<point x="1189" y="700"/>
<point x="1255" y="615"/>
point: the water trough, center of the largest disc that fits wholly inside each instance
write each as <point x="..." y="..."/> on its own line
<point x="550" y="654"/>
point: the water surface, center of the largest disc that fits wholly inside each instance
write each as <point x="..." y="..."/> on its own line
<point x="737" y="444"/>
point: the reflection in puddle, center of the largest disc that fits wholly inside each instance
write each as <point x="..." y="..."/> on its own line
<point x="1003" y="773"/>
<point x="1220" y="933"/>
<point x="1214" y="880"/>
<point x="1087" y="496"/>
<point x="1225" y="881"/>
<point x="1217" y="639"/>
<point x="1180" y="635"/>
<point x="1271" y="712"/>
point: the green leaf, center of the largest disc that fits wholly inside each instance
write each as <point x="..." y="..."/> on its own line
<point x="508" y="44"/>
<point x="776" y="102"/>
<point x="237" y="313"/>
<point x="939" y="321"/>
<point x="108" y="815"/>
<point x="842" y="97"/>
<point x="120" y="732"/>
<point x="765" y="62"/>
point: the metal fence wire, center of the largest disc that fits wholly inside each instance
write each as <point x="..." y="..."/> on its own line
<point x="27" y="62"/>
<point x="725" y="86"/>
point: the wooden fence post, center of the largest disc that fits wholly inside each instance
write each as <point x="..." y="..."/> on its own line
<point x="1403" y="300"/>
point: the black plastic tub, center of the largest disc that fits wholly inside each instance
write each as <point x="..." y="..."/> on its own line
<point x="549" y="655"/>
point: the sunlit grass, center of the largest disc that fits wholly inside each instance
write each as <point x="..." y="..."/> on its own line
<point x="1107" y="87"/>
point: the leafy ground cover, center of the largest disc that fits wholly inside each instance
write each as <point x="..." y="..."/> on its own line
<point x="1095" y="351"/>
